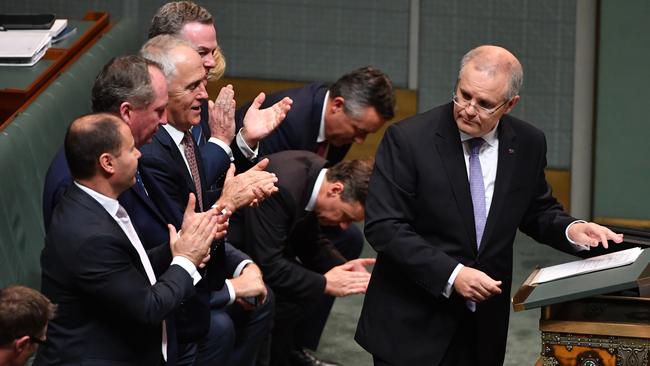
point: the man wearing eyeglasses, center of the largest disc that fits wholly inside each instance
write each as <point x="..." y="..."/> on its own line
<point x="24" y="314"/>
<point x="450" y="188"/>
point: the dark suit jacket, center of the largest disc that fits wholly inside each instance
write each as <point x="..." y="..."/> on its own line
<point x="280" y="229"/>
<point x="166" y="165"/>
<point x="108" y="312"/>
<point x="420" y="220"/>
<point x="150" y="220"/>
<point x="299" y="130"/>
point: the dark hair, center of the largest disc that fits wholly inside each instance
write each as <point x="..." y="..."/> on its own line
<point x="365" y="87"/>
<point x="171" y="17"/>
<point x="87" y="139"/>
<point x="23" y="312"/>
<point x="354" y="174"/>
<point x="123" y="79"/>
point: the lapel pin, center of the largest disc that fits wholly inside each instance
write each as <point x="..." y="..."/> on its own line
<point x="511" y="150"/>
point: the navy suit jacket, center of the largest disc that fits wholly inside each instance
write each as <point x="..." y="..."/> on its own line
<point x="419" y="219"/>
<point x="149" y="219"/>
<point x="166" y="165"/>
<point x="298" y="131"/>
<point x="108" y="312"/>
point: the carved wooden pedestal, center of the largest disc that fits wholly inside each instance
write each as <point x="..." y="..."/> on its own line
<point x="598" y="331"/>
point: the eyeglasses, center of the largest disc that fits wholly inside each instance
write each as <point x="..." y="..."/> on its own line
<point x="36" y="340"/>
<point x="464" y="103"/>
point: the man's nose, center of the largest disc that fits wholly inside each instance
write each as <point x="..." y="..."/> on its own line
<point x="203" y="93"/>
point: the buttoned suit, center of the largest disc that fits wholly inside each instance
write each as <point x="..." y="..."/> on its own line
<point x="419" y="219"/>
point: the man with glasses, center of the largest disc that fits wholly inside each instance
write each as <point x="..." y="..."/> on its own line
<point x="24" y="314"/>
<point x="450" y="188"/>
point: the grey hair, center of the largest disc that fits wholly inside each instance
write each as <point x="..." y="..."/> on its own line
<point x="513" y="69"/>
<point x="158" y="49"/>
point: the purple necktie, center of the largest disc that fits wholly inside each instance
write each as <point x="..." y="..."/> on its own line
<point x="477" y="188"/>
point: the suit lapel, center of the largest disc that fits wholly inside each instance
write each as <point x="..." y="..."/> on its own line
<point x="146" y="200"/>
<point x="168" y="143"/>
<point x="450" y="149"/>
<point x="84" y="199"/>
<point x="505" y="167"/>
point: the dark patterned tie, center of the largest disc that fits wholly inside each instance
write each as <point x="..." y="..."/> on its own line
<point x="190" y="155"/>
<point x="477" y="188"/>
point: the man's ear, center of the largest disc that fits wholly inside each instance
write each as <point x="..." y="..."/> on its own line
<point x="126" y="109"/>
<point x="106" y="163"/>
<point x="335" y="188"/>
<point x="511" y="104"/>
<point x="21" y="344"/>
<point x="337" y="104"/>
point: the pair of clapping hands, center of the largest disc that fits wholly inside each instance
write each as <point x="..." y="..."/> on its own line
<point x="258" y="123"/>
<point x="199" y="229"/>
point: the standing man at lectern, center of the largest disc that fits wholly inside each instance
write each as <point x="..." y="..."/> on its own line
<point x="450" y="188"/>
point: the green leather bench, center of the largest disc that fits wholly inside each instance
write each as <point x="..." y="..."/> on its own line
<point x="30" y="142"/>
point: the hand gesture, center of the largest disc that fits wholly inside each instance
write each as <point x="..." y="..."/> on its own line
<point x="346" y="279"/>
<point x="196" y="237"/>
<point x="259" y="123"/>
<point x="253" y="185"/>
<point x="222" y="115"/>
<point x="475" y="285"/>
<point x="589" y="233"/>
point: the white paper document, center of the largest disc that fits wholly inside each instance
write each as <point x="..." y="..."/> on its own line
<point x="605" y="261"/>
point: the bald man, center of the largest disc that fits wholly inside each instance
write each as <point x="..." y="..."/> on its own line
<point x="450" y="188"/>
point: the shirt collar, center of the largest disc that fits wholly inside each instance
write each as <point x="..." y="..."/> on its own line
<point x="176" y="135"/>
<point x="321" y="129"/>
<point x="110" y="205"/>
<point x="490" y="138"/>
<point x="314" y="193"/>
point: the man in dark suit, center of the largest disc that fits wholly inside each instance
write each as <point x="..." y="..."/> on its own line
<point x="450" y="188"/>
<point x="327" y="120"/>
<point x="111" y="304"/>
<point x="175" y="162"/>
<point x="283" y="236"/>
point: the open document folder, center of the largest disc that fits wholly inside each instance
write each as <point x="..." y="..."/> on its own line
<point x="599" y="263"/>
<point x="634" y="276"/>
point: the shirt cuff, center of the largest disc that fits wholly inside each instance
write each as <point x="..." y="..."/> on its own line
<point x="188" y="266"/>
<point x="450" y="282"/>
<point x="222" y="145"/>
<point x="231" y="292"/>
<point x="577" y="246"/>
<point x="248" y="153"/>
<point x="241" y="267"/>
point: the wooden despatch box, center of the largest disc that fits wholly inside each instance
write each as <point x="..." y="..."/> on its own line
<point x="582" y="327"/>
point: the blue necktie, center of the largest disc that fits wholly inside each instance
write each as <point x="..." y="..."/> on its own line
<point x="139" y="185"/>
<point x="197" y="132"/>
<point x="477" y="188"/>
